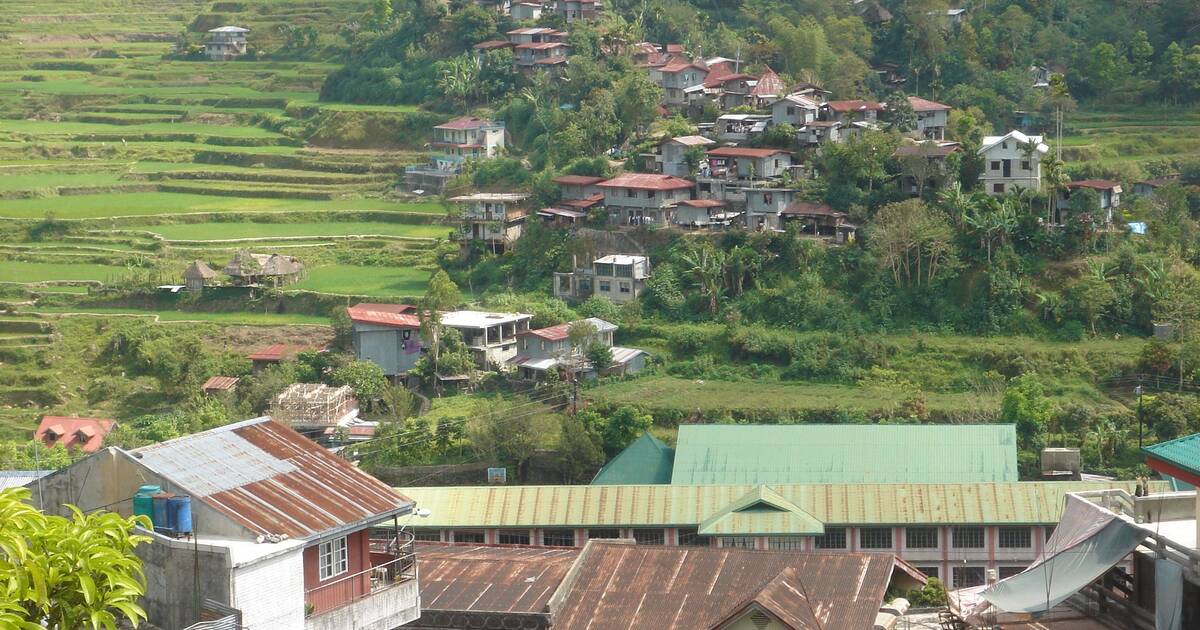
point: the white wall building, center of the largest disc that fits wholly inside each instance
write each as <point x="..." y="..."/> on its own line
<point x="1010" y="161"/>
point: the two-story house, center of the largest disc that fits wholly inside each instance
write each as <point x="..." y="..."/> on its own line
<point x="703" y="213"/>
<point x="1012" y="161"/>
<point x="388" y="335"/>
<point x="469" y="137"/>
<point x="257" y="524"/>
<point x="796" y="110"/>
<point x="526" y="10"/>
<point x="1109" y="193"/>
<point x="578" y="186"/>
<point x="491" y="337"/>
<point x="643" y="198"/>
<point x="496" y="219"/>
<point x="765" y="206"/>
<point x="923" y="165"/>
<point x="577" y="10"/>
<point x="550" y="349"/>
<point x="676" y="76"/>
<point x="618" y="277"/>
<point x="847" y="112"/>
<point x="671" y="157"/>
<point x="225" y="43"/>
<point x="740" y="127"/>
<point x="747" y="163"/>
<point x="538" y="47"/>
<point x="932" y="118"/>
<point x="818" y="219"/>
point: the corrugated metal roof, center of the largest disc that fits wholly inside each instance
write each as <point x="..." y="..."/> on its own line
<point x="645" y="461"/>
<point x="761" y="511"/>
<point x="220" y="383"/>
<point x="840" y="453"/>
<point x="1183" y="453"/>
<point x="1030" y="503"/>
<point x="20" y="478"/>
<point x="271" y="480"/>
<point x="620" y="586"/>
<point x="491" y="579"/>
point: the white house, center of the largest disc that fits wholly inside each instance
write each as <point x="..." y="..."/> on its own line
<point x="671" y="158"/>
<point x="496" y="219"/>
<point x="741" y="127"/>
<point x="618" y="277"/>
<point x="644" y="198"/>
<point x="522" y="11"/>
<point x="676" y="76"/>
<point x="225" y="43"/>
<point x="549" y="349"/>
<point x="795" y="109"/>
<point x="1010" y="161"/>
<point x="748" y="163"/>
<point x="492" y="337"/>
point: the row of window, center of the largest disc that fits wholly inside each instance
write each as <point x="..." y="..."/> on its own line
<point x="964" y="577"/>
<point x="834" y="538"/>
<point x="998" y="164"/>
<point x="606" y="286"/>
<point x="632" y="193"/>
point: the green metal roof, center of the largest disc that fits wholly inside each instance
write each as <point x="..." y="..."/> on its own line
<point x="1182" y="453"/>
<point x="761" y="511"/>
<point x="647" y="460"/>
<point x="845" y="453"/>
<point x="1017" y="503"/>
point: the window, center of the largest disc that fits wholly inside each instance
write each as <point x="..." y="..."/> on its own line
<point x="605" y="286"/>
<point x="1004" y="145"/>
<point x="691" y="538"/>
<point x="1015" y="538"/>
<point x="649" y="194"/>
<point x="624" y="286"/>
<point x="921" y="537"/>
<point x="631" y="193"/>
<point x="766" y="198"/>
<point x="738" y="542"/>
<point x="1007" y="572"/>
<point x="332" y="558"/>
<point x="833" y="538"/>
<point x="791" y="111"/>
<point x="513" y="537"/>
<point x="786" y="543"/>
<point x="967" y="537"/>
<point x="427" y="535"/>
<point x="558" y="537"/>
<point x="564" y="283"/>
<point x="995" y="165"/>
<point x="461" y="536"/>
<point x="1049" y="530"/>
<point x="929" y="571"/>
<point x="998" y="188"/>
<point x="649" y="536"/>
<point x="875" y="538"/>
<point x="604" y="533"/>
<point x="968" y="576"/>
<point x="1025" y="164"/>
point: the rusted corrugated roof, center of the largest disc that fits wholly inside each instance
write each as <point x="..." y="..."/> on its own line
<point x="619" y="586"/>
<point x="271" y="480"/>
<point x="220" y="383"/>
<point x="491" y="579"/>
<point x="1025" y="503"/>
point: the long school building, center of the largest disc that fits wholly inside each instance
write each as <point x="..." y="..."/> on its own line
<point x="956" y="532"/>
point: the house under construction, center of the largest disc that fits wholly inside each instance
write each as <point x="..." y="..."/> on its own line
<point x="309" y="406"/>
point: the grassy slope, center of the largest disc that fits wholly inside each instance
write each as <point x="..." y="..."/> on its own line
<point x="162" y="203"/>
<point x="224" y="231"/>
<point x="374" y="281"/>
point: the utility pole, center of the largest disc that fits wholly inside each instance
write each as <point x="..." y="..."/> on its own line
<point x="1138" y="390"/>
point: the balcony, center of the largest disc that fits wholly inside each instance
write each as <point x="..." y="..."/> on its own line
<point x="379" y="598"/>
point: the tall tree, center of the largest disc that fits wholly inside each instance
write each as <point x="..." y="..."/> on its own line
<point x="442" y="295"/>
<point x="706" y="265"/>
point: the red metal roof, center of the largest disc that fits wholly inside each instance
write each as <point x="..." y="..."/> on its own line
<point x="702" y="203"/>
<point x="646" y="181"/>
<point x="394" y="315"/>
<point x="551" y="61"/>
<point x="493" y="44"/>
<point x="585" y="203"/>
<point x="491" y="579"/>
<point x="921" y="105"/>
<point x="85" y="434"/>
<point x="853" y="106"/>
<point x="577" y="180"/>
<point x="1096" y="184"/>
<point x="273" y="353"/>
<point x="269" y="479"/>
<point x="618" y="586"/>
<point x="219" y="383"/>
<point x="465" y="122"/>
<point x="550" y="333"/>
<point x="746" y="152"/>
<point x="769" y="84"/>
<point x="540" y="46"/>
<point x="679" y="65"/>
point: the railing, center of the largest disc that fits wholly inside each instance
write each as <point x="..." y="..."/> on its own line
<point x="348" y="589"/>
<point x="1122" y="502"/>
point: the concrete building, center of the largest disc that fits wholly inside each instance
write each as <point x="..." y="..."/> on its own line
<point x="1108" y="192"/>
<point x="549" y="349"/>
<point x="796" y="110"/>
<point x="740" y="127"/>
<point x="578" y="187"/>
<point x="643" y="198"/>
<point x="275" y="534"/>
<point x="494" y="219"/>
<point x="469" y="137"/>
<point x="522" y="11"/>
<point x="847" y="112"/>
<point x="932" y="118"/>
<point x="705" y="213"/>
<point x="491" y="337"/>
<point x="676" y="76"/>
<point x="748" y="164"/>
<point x="1012" y="161"/>
<point x="953" y="531"/>
<point x="618" y="277"/>
<point x="765" y="206"/>
<point x="225" y="43"/>
<point x="671" y="156"/>
<point x="577" y="10"/>
<point x="923" y="166"/>
<point x="388" y="335"/>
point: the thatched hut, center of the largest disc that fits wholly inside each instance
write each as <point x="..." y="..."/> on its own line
<point x="198" y="275"/>
<point x="249" y="269"/>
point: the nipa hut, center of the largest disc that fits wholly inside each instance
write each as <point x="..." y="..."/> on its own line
<point x="198" y="275"/>
<point x="249" y="269"/>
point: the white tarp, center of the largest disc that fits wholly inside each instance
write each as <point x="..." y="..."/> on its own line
<point x="1088" y="541"/>
<point x="1168" y="595"/>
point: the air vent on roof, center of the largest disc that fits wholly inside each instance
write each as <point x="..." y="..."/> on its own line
<point x="760" y="619"/>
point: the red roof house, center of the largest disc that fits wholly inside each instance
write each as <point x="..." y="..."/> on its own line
<point x="85" y="434"/>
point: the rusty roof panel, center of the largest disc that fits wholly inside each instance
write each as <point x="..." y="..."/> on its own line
<point x="491" y="579"/>
<point x="620" y="586"/>
<point x="272" y="480"/>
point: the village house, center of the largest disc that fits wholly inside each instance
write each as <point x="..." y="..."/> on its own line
<point x="226" y="43"/>
<point x="1109" y="193"/>
<point x="538" y="47"/>
<point x="469" y="137"/>
<point x="675" y="77"/>
<point x="199" y="275"/>
<point x="578" y="186"/>
<point x="618" y="277"/>
<point x="671" y="156"/>
<point x="255" y="527"/>
<point x="73" y="433"/>
<point x="577" y="10"/>
<point x="643" y="198"/>
<point x="818" y="219"/>
<point x="483" y="48"/>
<point x="765" y="206"/>
<point x="219" y="385"/>
<point x="388" y="335"/>
<point x="704" y="213"/>
<point x="494" y="219"/>
<point x="502" y="7"/>
<point x="247" y="269"/>
<point x="924" y="165"/>
<point x="549" y="349"/>
<point x="561" y="218"/>
<point x="889" y="74"/>
<point x="847" y="112"/>
<point x="740" y="127"/>
<point x="491" y="337"/>
<point x="748" y="164"/>
<point x="526" y="10"/>
<point x="796" y="110"/>
<point x="1150" y="187"/>
<point x="932" y="118"/>
<point x="818" y="132"/>
<point x="1012" y="161"/>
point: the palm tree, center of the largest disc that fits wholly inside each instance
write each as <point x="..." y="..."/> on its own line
<point x="707" y="267"/>
<point x="1055" y="180"/>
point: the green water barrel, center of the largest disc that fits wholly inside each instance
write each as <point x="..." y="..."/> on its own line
<point x="143" y="501"/>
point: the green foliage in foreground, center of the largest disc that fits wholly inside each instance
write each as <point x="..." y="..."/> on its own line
<point x="67" y="574"/>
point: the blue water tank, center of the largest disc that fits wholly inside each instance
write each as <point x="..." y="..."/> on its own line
<point x="162" y="518"/>
<point x="179" y="510"/>
<point x="143" y="502"/>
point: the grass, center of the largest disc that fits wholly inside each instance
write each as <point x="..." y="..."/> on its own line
<point x="161" y="203"/>
<point x="263" y="319"/>
<point x="25" y="272"/>
<point x="69" y="128"/>
<point x="226" y="231"/>
<point x="47" y="181"/>
<point x="371" y="281"/>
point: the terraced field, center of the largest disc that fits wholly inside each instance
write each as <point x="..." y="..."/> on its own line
<point x="121" y="161"/>
<point x="1131" y="135"/>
